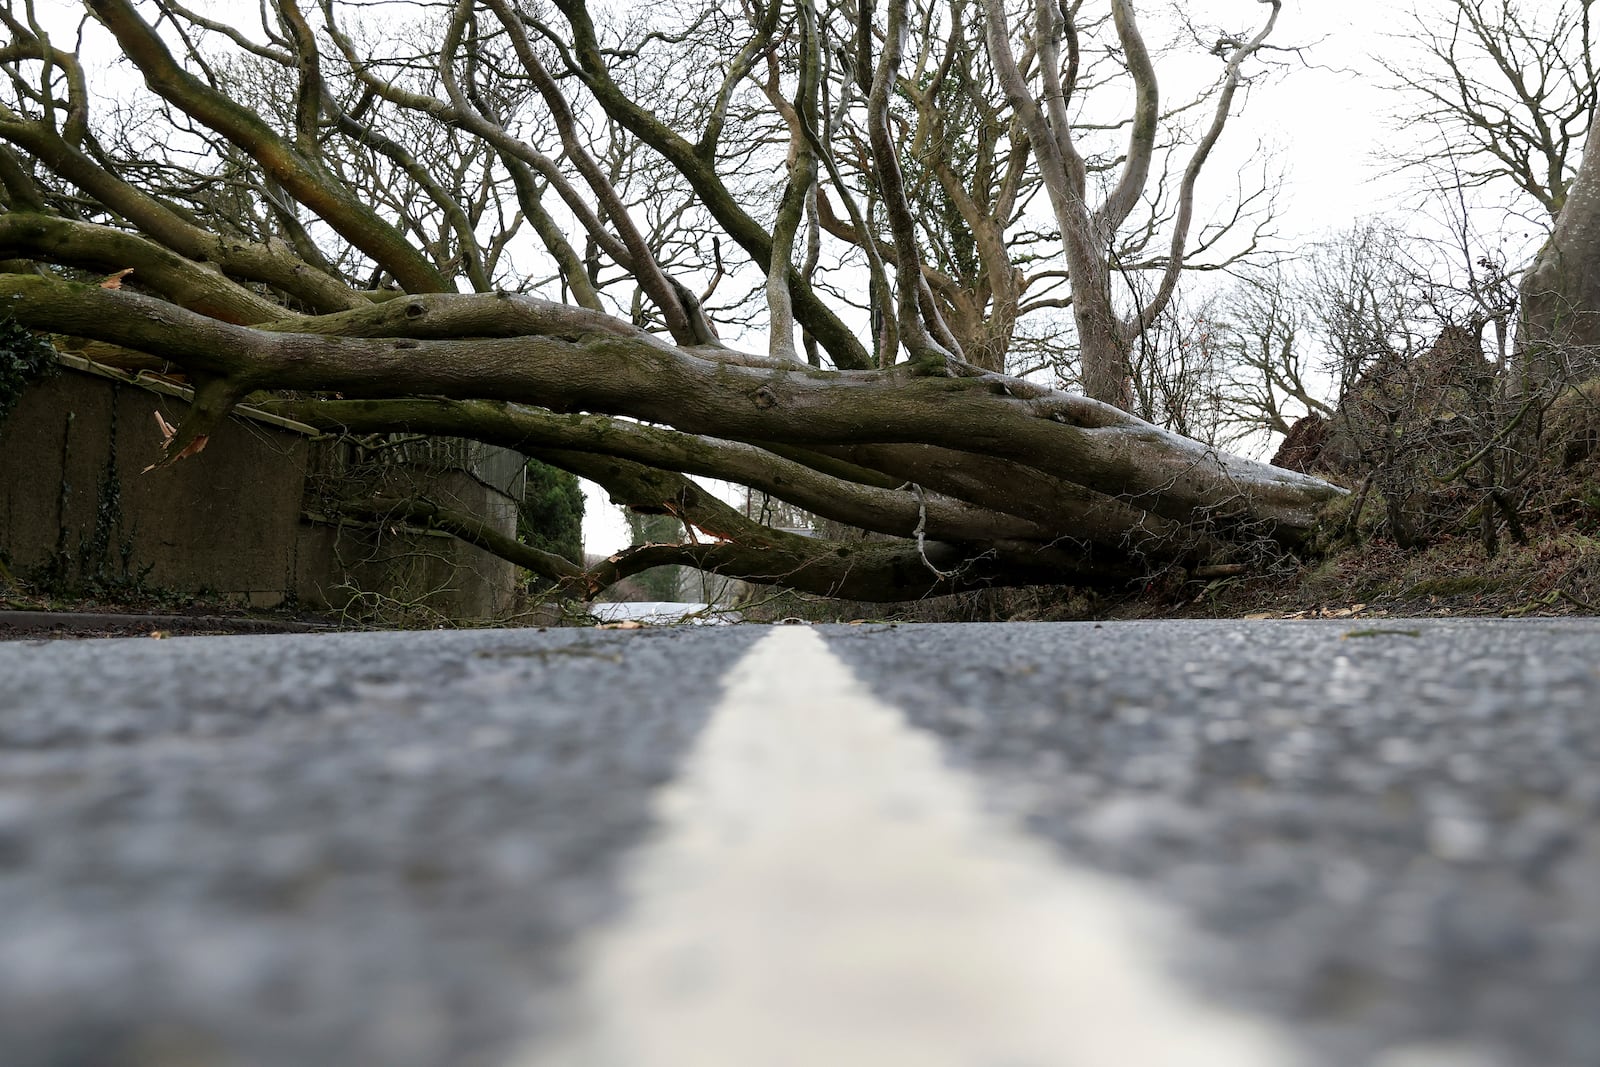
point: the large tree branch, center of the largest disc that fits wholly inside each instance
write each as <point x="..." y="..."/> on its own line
<point x="463" y="114"/>
<point x="829" y="330"/>
<point x="684" y="320"/>
<point x="1102" y="346"/>
<point x="1124" y="197"/>
<point x="1090" y="443"/>
<point x="188" y="284"/>
<point x="922" y="328"/>
<point x="466" y="527"/>
<point x="798" y="189"/>
<point x="869" y="507"/>
<point x="271" y="264"/>
<point x="858" y="570"/>
<point x="1071" y="512"/>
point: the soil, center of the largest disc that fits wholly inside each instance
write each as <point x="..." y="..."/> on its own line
<point x="1557" y="573"/>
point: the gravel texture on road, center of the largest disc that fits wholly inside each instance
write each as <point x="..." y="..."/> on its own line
<point x="380" y="849"/>
<point x="353" y="849"/>
<point x="1390" y="833"/>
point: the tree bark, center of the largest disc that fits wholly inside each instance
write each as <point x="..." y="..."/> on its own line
<point x="881" y="510"/>
<point x="1092" y="444"/>
<point x="1559" y="339"/>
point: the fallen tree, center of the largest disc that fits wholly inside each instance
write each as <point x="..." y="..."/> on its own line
<point x="310" y="260"/>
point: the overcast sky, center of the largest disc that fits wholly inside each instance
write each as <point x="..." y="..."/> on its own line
<point x="1329" y="113"/>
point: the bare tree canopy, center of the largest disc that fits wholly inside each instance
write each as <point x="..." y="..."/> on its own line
<point x="1500" y="95"/>
<point x="535" y="223"/>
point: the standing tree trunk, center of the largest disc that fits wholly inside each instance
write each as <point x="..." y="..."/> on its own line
<point x="1089" y="232"/>
<point x="1560" y="336"/>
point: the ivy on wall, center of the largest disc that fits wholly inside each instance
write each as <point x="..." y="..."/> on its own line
<point x="25" y="357"/>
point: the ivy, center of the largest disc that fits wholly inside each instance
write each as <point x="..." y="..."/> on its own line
<point x="25" y="357"/>
<point x="551" y="514"/>
<point x="659" y="583"/>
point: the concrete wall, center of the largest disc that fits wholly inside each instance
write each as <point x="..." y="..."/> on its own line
<point x="421" y="575"/>
<point x="228" y="521"/>
<point x="72" y="491"/>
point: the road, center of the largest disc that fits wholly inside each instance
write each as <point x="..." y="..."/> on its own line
<point x="1046" y="845"/>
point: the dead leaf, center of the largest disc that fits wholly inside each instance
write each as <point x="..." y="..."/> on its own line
<point x="1259" y="615"/>
<point x="625" y="624"/>
<point x="114" y="281"/>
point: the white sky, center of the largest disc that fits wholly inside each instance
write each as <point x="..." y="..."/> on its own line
<point x="1328" y="113"/>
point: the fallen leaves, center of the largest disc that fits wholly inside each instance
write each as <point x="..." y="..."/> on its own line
<point x="114" y="281"/>
<point x="1318" y="612"/>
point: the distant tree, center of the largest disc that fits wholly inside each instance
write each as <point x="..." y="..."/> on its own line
<point x="659" y="583"/>
<point x="1275" y="366"/>
<point x="1500" y="98"/>
<point x="550" y="515"/>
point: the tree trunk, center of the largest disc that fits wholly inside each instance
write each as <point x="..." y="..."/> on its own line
<point x="1559" y="339"/>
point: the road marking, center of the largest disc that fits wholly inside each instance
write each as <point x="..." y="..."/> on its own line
<point x="825" y="892"/>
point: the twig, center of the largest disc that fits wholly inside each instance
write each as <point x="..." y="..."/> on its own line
<point x="922" y="522"/>
<point x="1220" y="570"/>
<point x="1584" y="604"/>
<point x="1504" y="433"/>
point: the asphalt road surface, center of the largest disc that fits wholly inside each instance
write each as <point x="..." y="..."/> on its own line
<point x="1330" y="844"/>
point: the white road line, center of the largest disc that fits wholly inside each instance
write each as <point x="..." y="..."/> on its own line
<point x="825" y="892"/>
